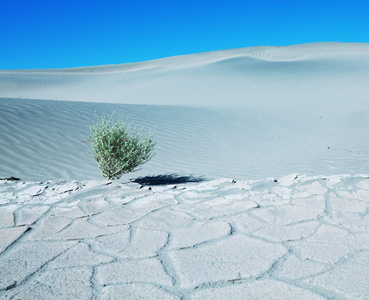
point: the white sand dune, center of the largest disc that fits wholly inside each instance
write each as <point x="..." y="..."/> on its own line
<point x="243" y="113"/>
<point x="254" y="115"/>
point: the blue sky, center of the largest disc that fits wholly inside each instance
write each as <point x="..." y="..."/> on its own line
<point x="38" y="34"/>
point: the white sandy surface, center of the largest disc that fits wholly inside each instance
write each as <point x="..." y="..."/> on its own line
<point x="43" y="140"/>
<point x="251" y="115"/>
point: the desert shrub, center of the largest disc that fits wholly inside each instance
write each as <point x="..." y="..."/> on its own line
<point x="119" y="149"/>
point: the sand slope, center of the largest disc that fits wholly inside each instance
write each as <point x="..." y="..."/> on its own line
<point x="43" y="140"/>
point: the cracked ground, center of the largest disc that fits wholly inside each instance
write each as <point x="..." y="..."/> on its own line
<point x="295" y="237"/>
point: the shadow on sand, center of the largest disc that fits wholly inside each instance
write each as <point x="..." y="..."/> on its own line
<point x="167" y="179"/>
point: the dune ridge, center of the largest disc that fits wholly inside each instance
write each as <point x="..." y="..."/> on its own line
<point x="273" y="53"/>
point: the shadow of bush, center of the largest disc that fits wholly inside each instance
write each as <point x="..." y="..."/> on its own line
<point x="167" y="179"/>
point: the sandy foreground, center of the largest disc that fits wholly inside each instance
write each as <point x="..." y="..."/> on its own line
<point x="232" y="206"/>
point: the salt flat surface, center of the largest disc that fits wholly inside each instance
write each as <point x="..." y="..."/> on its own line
<point x="286" y="238"/>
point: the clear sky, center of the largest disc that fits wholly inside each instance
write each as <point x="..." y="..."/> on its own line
<point x="38" y="34"/>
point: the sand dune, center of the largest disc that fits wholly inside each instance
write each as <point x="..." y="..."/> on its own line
<point x="243" y="113"/>
<point x="257" y="76"/>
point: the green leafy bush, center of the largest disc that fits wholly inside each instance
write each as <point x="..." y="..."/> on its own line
<point x="117" y="148"/>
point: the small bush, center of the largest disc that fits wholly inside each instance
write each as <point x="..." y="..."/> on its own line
<point x="117" y="148"/>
